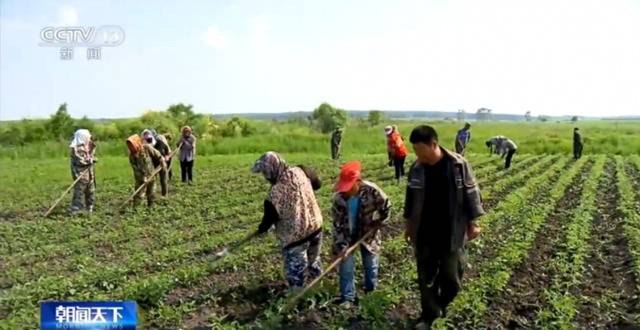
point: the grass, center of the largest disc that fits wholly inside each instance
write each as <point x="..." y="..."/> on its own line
<point x="532" y="138"/>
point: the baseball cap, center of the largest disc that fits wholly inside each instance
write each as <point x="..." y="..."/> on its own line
<point x="349" y="174"/>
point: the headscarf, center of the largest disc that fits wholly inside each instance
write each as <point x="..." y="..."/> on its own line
<point x="388" y="130"/>
<point x="186" y="129"/>
<point x="271" y="165"/>
<point x="136" y="141"/>
<point x="80" y="137"/>
<point x="151" y="133"/>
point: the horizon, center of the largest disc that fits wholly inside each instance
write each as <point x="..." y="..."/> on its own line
<point x="551" y="58"/>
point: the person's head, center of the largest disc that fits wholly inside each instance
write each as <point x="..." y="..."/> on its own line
<point x="80" y="137"/>
<point x="575" y="129"/>
<point x="147" y="136"/>
<point x="388" y="130"/>
<point x="424" y="139"/>
<point x="349" y="180"/>
<point x="134" y="143"/>
<point x="271" y="165"/>
<point x="186" y="131"/>
<point x="467" y="126"/>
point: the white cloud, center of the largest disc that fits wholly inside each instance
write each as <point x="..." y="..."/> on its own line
<point x="215" y="38"/>
<point x="68" y="16"/>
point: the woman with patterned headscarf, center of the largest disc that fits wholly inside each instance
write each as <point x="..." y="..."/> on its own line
<point x="141" y="158"/>
<point x="291" y="205"/>
<point x="81" y="156"/>
<point x="187" y="153"/>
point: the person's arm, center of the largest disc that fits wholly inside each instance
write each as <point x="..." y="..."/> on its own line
<point x="165" y="146"/>
<point x="384" y="205"/>
<point x="472" y="202"/>
<point x="269" y="218"/>
<point x="313" y="177"/>
<point x="81" y="157"/>
<point x="340" y="231"/>
<point x="194" y="146"/>
<point x="155" y="155"/>
<point x="186" y="144"/>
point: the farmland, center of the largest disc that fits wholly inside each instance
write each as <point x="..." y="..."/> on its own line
<point x="560" y="247"/>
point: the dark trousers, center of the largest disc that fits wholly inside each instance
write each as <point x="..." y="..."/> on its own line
<point x="577" y="151"/>
<point x="186" y="169"/>
<point x="169" y="169"/>
<point x="335" y="151"/>
<point x="439" y="277"/>
<point x="398" y="163"/>
<point x="459" y="147"/>
<point x="510" y="153"/>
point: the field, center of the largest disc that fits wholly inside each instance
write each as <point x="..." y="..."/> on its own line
<point x="560" y="246"/>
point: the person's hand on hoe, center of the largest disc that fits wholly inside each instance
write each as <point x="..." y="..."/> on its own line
<point x="473" y="231"/>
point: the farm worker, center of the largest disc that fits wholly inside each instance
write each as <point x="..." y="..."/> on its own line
<point x="336" y="139"/>
<point x="462" y="138"/>
<point x="508" y="147"/>
<point x="359" y="206"/>
<point x="160" y="143"/>
<point x="577" y="143"/>
<point x="141" y="157"/>
<point x="494" y="143"/>
<point x="81" y="156"/>
<point x="396" y="149"/>
<point x="167" y="137"/>
<point x="187" y="154"/>
<point x="441" y="207"/>
<point x="291" y="205"/>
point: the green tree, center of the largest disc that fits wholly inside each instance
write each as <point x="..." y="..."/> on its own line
<point x="162" y="122"/>
<point x="61" y="125"/>
<point x="329" y="118"/>
<point x="375" y="117"/>
<point x="237" y="127"/>
<point x="183" y="114"/>
<point x="84" y="122"/>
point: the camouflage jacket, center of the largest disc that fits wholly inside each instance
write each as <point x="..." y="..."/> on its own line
<point x="142" y="163"/>
<point x="465" y="201"/>
<point x="374" y="209"/>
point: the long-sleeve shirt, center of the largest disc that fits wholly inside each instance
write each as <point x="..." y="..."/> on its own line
<point x="188" y="148"/>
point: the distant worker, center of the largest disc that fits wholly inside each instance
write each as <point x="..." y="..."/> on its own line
<point x="493" y="144"/>
<point x="462" y="138"/>
<point x="187" y="154"/>
<point x="82" y="150"/>
<point x="396" y="150"/>
<point x="141" y="157"/>
<point x="577" y="143"/>
<point x="291" y="205"/>
<point x="160" y="143"/>
<point x="359" y="206"/>
<point x="507" y="147"/>
<point x="336" y="140"/>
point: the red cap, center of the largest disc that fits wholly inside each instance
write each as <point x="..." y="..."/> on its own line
<point x="349" y="174"/>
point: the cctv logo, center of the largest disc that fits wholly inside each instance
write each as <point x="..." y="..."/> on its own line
<point x="103" y="36"/>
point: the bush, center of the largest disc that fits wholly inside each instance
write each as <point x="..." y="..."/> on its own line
<point x="329" y="118"/>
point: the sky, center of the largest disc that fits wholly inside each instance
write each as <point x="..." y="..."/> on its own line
<point x="550" y="57"/>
